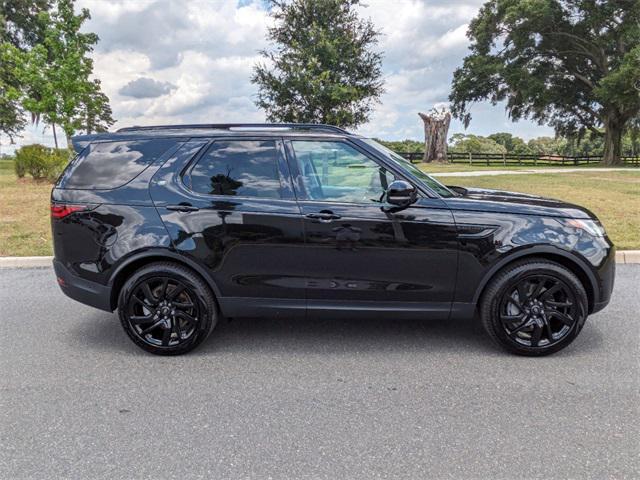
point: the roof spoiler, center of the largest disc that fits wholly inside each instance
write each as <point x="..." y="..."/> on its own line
<point x="80" y="142"/>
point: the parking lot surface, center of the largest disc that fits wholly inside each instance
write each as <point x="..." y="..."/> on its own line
<point x="299" y="399"/>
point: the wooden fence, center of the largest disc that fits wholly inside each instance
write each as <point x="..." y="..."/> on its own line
<point x="508" y="159"/>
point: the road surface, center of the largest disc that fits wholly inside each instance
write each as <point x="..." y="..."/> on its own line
<point x="296" y="399"/>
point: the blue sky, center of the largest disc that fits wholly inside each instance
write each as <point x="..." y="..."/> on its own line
<point x="169" y="61"/>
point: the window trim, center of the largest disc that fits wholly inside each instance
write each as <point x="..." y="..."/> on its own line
<point x="186" y="171"/>
<point x="300" y="187"/>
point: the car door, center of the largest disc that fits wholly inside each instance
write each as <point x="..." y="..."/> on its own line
<point x="231" y="207"/>
<point x="363" y="256"/>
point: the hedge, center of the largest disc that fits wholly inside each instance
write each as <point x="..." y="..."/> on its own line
<point x="41" y="162"/>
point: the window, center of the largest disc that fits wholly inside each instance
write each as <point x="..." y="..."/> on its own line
<point x="107" y="165"/>
<point x="247" y="168"/>
<point x="408" y="167"/>
<point x="337" y="172"/>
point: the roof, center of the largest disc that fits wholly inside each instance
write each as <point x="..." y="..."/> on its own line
<point x="209" y="130"/>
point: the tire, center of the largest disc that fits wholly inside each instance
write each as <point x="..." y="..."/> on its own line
<point x="166" y="309"/>
<point x="534" y="307"/>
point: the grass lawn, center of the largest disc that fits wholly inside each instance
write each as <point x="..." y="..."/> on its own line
<point x="479" y="166"/>
<point x="613" y="196"/>
<point x="24" y="214"/>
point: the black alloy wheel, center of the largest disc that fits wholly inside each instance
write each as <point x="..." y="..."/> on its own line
<point x="166" y="309"/>
<point x="539" y="311"/>
<point x="534" y="307"/>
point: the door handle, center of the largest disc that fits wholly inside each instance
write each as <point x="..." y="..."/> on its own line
<point x="182" y="208"/>
<point x="324" y="217"/>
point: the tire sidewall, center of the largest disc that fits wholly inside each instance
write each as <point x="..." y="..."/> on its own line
<point x="506" y="281"/>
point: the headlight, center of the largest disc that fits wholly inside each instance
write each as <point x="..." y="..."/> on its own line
<point x="592" y="227"/>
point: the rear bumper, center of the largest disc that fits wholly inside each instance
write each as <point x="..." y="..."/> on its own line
<point x="83" y="291"/>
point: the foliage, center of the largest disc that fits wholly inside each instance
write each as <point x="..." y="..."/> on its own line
<point x="19" y="28"/>
<point x="475" y="144"/>
<point x="323" y="68"/>
<point x="41" y="162"/>
<point x="569" y="63"/>
<point x="55" y="74"/>
<point x="512" y="144"/>
<point x="403" y="146"/>
<point x="19" y="22"/>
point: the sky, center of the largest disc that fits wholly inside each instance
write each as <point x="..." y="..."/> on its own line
<point x="190" y="61"/>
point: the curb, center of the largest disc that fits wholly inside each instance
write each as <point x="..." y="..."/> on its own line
<point x="25" y="262"/>
<point x="622" y="256"/>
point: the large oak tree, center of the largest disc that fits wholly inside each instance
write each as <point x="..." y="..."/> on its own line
<point x="573" y="64"/>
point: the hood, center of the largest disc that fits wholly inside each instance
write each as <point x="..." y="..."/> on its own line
<point x="482" y="199"/>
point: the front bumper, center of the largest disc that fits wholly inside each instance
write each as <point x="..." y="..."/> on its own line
<point x="90" y="293"/>
<point x="606" y="281"/>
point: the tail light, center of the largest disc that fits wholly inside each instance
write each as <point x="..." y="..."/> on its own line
<point x="62" y="210"/>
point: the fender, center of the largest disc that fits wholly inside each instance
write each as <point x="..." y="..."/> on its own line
<point x="159" y="254"/>
<point x="532" y="251"/>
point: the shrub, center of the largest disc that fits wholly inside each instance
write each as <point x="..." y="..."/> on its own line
<point x="20" y="165"/>
<point x="58" y="160"/>
<point x="41" y="162"/>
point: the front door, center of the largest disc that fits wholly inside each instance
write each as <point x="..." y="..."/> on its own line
<point x="231" y="207"/>
<point x="361" y="257"/>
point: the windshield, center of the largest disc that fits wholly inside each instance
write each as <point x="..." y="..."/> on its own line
<point x="410" y="168"/>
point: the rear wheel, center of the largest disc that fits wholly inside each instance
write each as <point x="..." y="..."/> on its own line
<point x="534" y="307"/>
<point x="166" y="309"/>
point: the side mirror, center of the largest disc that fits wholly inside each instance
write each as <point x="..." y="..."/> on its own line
<point x="401" y="193"/>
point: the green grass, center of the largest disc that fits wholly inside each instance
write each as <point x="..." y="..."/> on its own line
<point x="24" y="214"/>
<point x="478" y="166"/>
<point x="613" y="196"/>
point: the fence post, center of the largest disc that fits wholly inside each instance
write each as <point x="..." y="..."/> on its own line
<point x="504" y="159"/>
<point x="470" y="159"/>
<point x="519" y="160"/>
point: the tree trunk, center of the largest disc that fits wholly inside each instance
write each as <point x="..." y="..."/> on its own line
<point x="612" y="141"/>
<point x="436" y="127"/>
<point x="55" y="137"/>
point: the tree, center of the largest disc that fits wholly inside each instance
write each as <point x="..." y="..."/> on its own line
<point x="323" y="68"/>
<point x="461" y="142"/>
<point x="55" y="75"/>
<point x="20" y="28"/>
<point x="569" y="63"/>
<point x="436" y="127"/>
<point x="548" y="146"/>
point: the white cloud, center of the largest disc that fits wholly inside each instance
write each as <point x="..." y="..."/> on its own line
<point x="206" y="50"/>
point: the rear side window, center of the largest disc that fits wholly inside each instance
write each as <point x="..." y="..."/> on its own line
<point x="246" y="168"/>
<point x="108" y="165"/>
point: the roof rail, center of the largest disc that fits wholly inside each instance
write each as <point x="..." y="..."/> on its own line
<point x="231" y="126"/>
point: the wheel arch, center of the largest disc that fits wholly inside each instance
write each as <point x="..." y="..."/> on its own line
<point x="136" y="261"/>
<point x="568" y="260"/>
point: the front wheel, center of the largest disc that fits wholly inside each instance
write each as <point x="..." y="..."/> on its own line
<point x="534" y="307"/>
<point x="166" y="309"/>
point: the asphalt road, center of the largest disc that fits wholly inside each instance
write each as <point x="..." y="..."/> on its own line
<point x="296" y="399"/>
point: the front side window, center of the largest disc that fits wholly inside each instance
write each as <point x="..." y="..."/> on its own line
<point x="337" y="172"/>
<point x="246" y="168"/>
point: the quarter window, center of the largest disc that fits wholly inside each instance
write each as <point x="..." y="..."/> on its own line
<point x="337" y="172"/>
<point x="247" y="168"/>
<point x="107" y="165"/>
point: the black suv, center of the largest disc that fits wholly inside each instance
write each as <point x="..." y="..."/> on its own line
<point x="178" y="226"/>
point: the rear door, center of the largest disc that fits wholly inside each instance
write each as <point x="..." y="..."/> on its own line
<point x="232" y="208"/>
